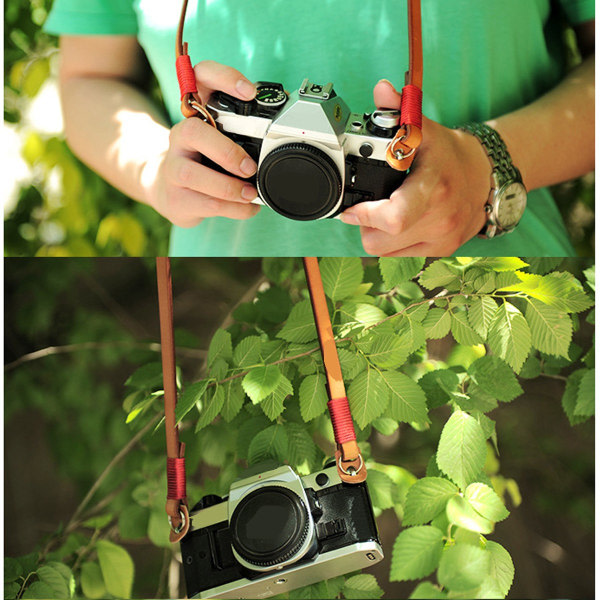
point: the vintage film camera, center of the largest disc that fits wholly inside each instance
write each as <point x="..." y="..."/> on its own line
<point x="315" y="158"/>
<point x="277" y="531"/>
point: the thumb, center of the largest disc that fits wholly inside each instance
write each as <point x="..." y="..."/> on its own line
<point x="386" y="96"/>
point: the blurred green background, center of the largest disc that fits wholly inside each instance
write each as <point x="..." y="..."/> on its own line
<point x="97" y="319"/>
<point x="55" y="206"/>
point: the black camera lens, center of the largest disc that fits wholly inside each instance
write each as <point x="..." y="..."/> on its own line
<point x="269" y="526"/>
<point x="300" y="182"/>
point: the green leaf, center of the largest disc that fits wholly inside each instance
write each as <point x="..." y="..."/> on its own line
<point x="99" y="521"/>
<point x="461" y="330"/>
<point x="54" y="580"/>
<point x="501" y="263"/>
<point x="352" y="364"/>
<point x="486" y="502"/>
<point x="191" y="396"/>
<point x="462" y="450"/>
<point x="501" y="572"/>
<point x="439" y="386"/>
<point x="426" y="499"/>
<point x="437" y="324"/>
<point x="531" y="368"/>
<point x="211" y="408"/>
<point x="407" y="402"/>
<point x="92" y="582"/>
<point x="12" y="569"/>
<point x="438" y="274"/>
<point x="551" y="329"/>
<point x="386" y="350"/>
<point x="357" y="314"/>
<point x="463" y="567"/>
<point x="300" y="325"/>
<point x="247" y="352"/>
<point x="362" y="587"/>
<point x="261" y="381"/>
<point x="486" y="372"/>
<point x="481" y="313"/>
<point x="410" y="332"/>
<point x="133" y="522"/>
<point x="461" y="513"/>
<point x="147" y="377"/>
<point x="272" y="442"/>
<point x="312" y="396"/>
<point x="417" y="552"/>
<point x="341" y="276"/>
<point x="543" y="264"/>
<point x="427" y="591"/>
<point x="509" y="336"/>
<point x="381" y="489"/>
<point x="368" y="397"/>
<point x="11" y="590"/>
<point x="570" y="397"/>
<point x="562" y="291"/>
<point x="586" y="394"/>
<point x="39" y="590"/>
<point x="395" y="271"/>
<point x="302" y="450"/>
<point x="158" y="528"/>
<point x="220" y="347"/>
<point x="117" y="568"/>
<point x="272" y="405"/>
<point x="234" y="399"/>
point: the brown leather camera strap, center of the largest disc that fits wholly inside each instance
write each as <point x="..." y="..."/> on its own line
<point x="402" y="149"/>
<point x="351" y="467"/>
<point x="191" y="103"/>
<point x="176" y="505"/>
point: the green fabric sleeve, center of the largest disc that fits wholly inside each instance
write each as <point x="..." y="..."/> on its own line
<point x="579" y="11"/>
<point x="92" y="17"/>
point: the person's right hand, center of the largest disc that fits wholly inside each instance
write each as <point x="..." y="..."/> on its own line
<point x="181" y="188"/>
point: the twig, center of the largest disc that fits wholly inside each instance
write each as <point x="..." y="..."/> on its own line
<point x="70" y="348"/>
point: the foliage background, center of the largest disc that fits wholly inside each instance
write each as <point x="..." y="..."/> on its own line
<point x="55" y="206"/>
<point x="70" y="406"/>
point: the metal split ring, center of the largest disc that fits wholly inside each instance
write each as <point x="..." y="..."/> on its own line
<point x="351" y="473"/>
<point x="181" y="527"/>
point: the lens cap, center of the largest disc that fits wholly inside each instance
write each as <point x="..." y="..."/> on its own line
<point x="300" y="182"/>
<point x="269" y="525"/>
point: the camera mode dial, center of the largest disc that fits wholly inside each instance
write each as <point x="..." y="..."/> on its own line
<point x="269" y="526"/>
<point x="384" y="123"/>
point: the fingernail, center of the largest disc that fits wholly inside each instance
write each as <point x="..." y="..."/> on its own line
<point x="246" y="89"/>
<point x="349" y="219"/>
<point x="248" y="166"/>
<point x="249" y="193"/>
<point x="388" y="82"/>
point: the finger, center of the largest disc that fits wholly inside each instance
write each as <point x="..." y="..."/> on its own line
<point x="385" y="95"/>
<point x="187" y="208"/>
<point x="194" y="135"/>
<point x="396" y="215"/>
<point x="215" y="76"/>
<point x="412" y="251"/>
<point x="185" y="172"/>
<point x="379" y="243"/>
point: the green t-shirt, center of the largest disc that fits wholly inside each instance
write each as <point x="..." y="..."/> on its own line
<point x="481" y="60"/>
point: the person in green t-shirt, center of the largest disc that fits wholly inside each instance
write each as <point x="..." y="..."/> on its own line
<point x="500" y="61"/>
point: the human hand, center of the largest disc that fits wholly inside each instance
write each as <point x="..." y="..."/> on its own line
<point x="441" y="204"/>
<point x="185" y="191"/>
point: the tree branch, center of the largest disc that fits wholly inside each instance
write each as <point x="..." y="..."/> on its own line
<point x="70" y="348"/>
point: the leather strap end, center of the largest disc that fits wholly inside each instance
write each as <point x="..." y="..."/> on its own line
<point x="351" y="471"/>
<point x="178" y="508"/>
<point x="401" y="151"/>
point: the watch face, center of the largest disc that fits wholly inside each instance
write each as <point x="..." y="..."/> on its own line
<point x="510" y="205"/>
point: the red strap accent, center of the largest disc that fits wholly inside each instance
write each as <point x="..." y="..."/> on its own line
<point x="411" y="109"/>
<point x="186" y="75"/>
<point x="341" y="419"/>
<point x="176" y="489"/>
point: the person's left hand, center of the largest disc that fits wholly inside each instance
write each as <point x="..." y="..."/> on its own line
<point x="441" y="204"/>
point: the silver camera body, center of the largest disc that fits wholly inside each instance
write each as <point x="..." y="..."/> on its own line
<point x="315" y="157"/>
<point x="335" y="534"/>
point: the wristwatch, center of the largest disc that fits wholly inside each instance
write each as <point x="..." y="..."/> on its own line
<point x="508" y="196"/>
